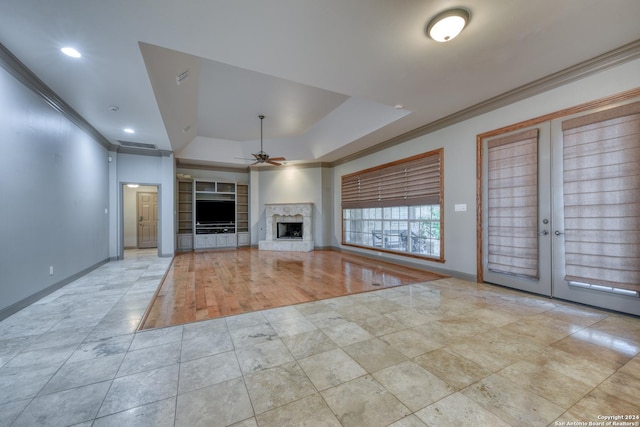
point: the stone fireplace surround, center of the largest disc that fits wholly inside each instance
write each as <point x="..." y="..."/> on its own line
<point x="288" y="212"/>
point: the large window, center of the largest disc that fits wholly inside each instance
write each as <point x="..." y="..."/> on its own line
<point x="396" y="207"/>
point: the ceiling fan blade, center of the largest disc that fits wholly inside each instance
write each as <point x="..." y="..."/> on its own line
<point x="271" y="162"/>
<point x="277" y="159"/>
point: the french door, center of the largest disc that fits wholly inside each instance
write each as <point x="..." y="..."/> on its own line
<point x="517" y="210"/>
<point x="561" y="208"/>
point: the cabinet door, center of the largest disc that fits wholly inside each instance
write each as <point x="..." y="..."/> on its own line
<point x="244" y="239"/>
<point x="185" y="241"/>
<point x="199" y="241"/>
<point x="226" y="240"/>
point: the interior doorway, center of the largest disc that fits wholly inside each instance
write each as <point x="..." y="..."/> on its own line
<point x="140" y="216"/>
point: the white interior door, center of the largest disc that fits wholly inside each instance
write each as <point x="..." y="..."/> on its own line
<point x="147" y="220"/>
<point x="516" y="213"/>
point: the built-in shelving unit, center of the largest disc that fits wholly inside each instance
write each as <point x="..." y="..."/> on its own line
<point x="212" y="214"/>
<point x="185" y="215"/>
<point x="242" y="215"/>
<point x="215" y="214"/>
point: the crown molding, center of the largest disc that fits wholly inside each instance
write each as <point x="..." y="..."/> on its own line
<point x="611" y="59"/>
<point x="24" y="75"/>
<point x="309" y="165"/>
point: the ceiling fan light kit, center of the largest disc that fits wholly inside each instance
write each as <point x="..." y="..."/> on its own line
<point x="262" y="157"/>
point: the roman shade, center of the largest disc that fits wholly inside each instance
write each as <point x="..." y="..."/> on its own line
<point x="513" y="204"/>
<point x="410" y="182"/>
<point x="601" y="183"/>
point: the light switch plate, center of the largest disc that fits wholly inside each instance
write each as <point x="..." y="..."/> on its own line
<point x="461" y="207"/>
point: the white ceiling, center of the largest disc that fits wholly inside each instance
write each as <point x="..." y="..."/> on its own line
<point x="326" y="74"/>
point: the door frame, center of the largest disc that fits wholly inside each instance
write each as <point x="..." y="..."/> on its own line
<point x="120" y="233"/>
<point x="599" y="103"/>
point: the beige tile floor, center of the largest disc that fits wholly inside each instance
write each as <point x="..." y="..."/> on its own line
<point x="447" y="352"/>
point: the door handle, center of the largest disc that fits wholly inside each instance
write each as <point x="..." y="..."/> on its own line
<point x="543" y="233"/>
<point x="558" y="233"/>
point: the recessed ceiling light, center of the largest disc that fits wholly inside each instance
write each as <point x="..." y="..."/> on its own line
<point x="447" y="25"/>
<point x="70" y="51"/>
<point x="129" y="130"/>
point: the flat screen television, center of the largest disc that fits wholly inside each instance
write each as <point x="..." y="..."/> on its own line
<point x="215" y="211"/>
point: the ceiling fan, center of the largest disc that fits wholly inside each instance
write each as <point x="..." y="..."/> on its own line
<point x="261" y="156"/>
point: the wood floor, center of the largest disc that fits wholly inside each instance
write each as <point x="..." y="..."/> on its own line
<point x="210" y="284"/>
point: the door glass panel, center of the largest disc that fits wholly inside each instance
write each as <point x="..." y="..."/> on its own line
<point x="513" y="204"/>
<point x="601" y="178"/>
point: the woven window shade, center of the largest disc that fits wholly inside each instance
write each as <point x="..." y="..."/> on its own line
<point x="415" y="181"/>
<point x="601" y="158"/>
<point x="513" y="204"/>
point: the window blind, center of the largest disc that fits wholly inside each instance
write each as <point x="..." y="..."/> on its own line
<point x="410" y="182"/>
<point x="513" y="204"/>
<point x="601" y="183"/>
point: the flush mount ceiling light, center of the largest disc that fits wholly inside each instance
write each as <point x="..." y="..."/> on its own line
<point x="69" y="51"/>
<point x="447" y="25"/>
<point x="129" y="130"/>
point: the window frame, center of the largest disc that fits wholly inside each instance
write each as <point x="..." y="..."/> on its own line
<point x="417" y="201"/>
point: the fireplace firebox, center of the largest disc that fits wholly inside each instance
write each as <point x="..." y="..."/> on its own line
<point x="289" y="230"/>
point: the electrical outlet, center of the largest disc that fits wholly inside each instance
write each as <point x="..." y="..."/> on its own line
<point x="51" y="270"/>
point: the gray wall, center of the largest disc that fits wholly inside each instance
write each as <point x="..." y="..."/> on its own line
<point x="53" y="197"/>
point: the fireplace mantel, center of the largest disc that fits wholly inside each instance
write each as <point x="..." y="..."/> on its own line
<point x="288" y="212"/>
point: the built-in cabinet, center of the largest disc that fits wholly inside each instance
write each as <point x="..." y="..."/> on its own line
<point x="212" y="214"/>
<point x="215" y="214"/>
